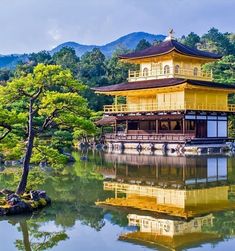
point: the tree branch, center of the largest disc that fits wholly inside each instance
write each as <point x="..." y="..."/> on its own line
<point x="48" y="120"/>
<point x="21" y="91"/>
<point x="33" y="96"/>
<point x="6" y="126"/>
<point x="36" y="94"/>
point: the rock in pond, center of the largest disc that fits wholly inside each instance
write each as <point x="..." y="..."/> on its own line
<point x="12" y="203"/>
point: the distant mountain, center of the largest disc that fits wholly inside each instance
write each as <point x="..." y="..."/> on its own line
<point x="10" y="61"/>
<point x="128" y="41"/>
<point x="79" y="48"/>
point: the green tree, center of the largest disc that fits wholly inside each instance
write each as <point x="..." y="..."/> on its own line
<point x="143" y="44"/>
<point x="218" y="42"/>
<point x="92" y="72"/>
<point x="117" y="71"/>
<point x="38" y="103"/>
<point x="67" y="58"/>
<point x="23" y="68"/>
<point x="191" y="40"/>
<point x="223" y="70"/>
<point x="92" y="67"/>
<point x="42" y="57"/>
<point x="5" y="75"/>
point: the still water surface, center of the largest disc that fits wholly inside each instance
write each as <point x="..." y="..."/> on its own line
<point x="131" y="202"/>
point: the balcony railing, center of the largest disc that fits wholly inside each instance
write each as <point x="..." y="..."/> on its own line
<point x="126" y="108"/>
<point x="153" y="137"/>
<point x="171" y="73"/>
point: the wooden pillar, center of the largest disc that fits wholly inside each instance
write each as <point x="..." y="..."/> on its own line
<point x="116" y="193"/>
<point x="184" y="129"/>
<point x="157" y="127"/>
<point x="115" y="127"/>
<point x="184" y="173"/>
<point x="116" y="102"/>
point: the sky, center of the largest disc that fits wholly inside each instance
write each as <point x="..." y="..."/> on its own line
<point x="34" y="25"/>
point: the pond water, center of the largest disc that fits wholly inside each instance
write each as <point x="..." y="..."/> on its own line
<point x="130" y="202"/>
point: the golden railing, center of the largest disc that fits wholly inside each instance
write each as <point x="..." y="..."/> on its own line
<point x="128" y="108"/>
<point x="171" y="73"/>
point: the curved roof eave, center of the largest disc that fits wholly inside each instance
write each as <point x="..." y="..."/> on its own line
<point x="159" y="83"/>
<point x="167" y="47"/>
<point x="168" y="52"/>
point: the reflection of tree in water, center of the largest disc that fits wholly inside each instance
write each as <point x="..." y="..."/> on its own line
<point x="74" y="191"/>
<point x="33" y="237"/>
<point x="75" y="201"/>
<point x="224" y="224"/>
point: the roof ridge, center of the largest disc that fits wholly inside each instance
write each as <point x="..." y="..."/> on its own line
<point x="166" y="47"/>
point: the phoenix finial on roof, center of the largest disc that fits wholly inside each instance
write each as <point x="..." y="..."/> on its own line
<point x="170" y="35"/>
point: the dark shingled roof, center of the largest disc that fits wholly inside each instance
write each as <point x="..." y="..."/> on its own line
<point x="166" y="82"/>
<point x="106" y="121"/>
<point x="168" y="46"/>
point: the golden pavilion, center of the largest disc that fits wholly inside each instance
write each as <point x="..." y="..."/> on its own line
<point x="170" y="99"/>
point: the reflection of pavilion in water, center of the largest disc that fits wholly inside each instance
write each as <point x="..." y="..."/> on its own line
<point x="175" y="196"/>
<point x="170" y="233"/>
<point x="167" y="171"/>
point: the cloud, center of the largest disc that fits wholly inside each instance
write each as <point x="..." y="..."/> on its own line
<point x="54" y="31"/>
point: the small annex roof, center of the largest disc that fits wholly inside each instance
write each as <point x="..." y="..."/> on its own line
<point x="168" y="46"/>
<point x="109" y="120"/>
<point x="158" y="83"/>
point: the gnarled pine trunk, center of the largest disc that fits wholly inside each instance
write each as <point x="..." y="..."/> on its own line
<point x="23" y="182"/>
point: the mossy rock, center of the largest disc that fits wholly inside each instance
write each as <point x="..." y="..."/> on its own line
<point x="23" y="204"/>
<point x="34" y="204"/>
<point x="3" y="202"/>
<point x="42" y="202"/>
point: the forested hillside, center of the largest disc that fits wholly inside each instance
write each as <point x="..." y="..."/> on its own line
<point x="128" y="41"/>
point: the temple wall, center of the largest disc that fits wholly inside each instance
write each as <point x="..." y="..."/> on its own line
<point x="171" y="99"/>
<point x="214" y="99"/>
<point x="162" y="100"/>
<point x="158" y="66"/>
